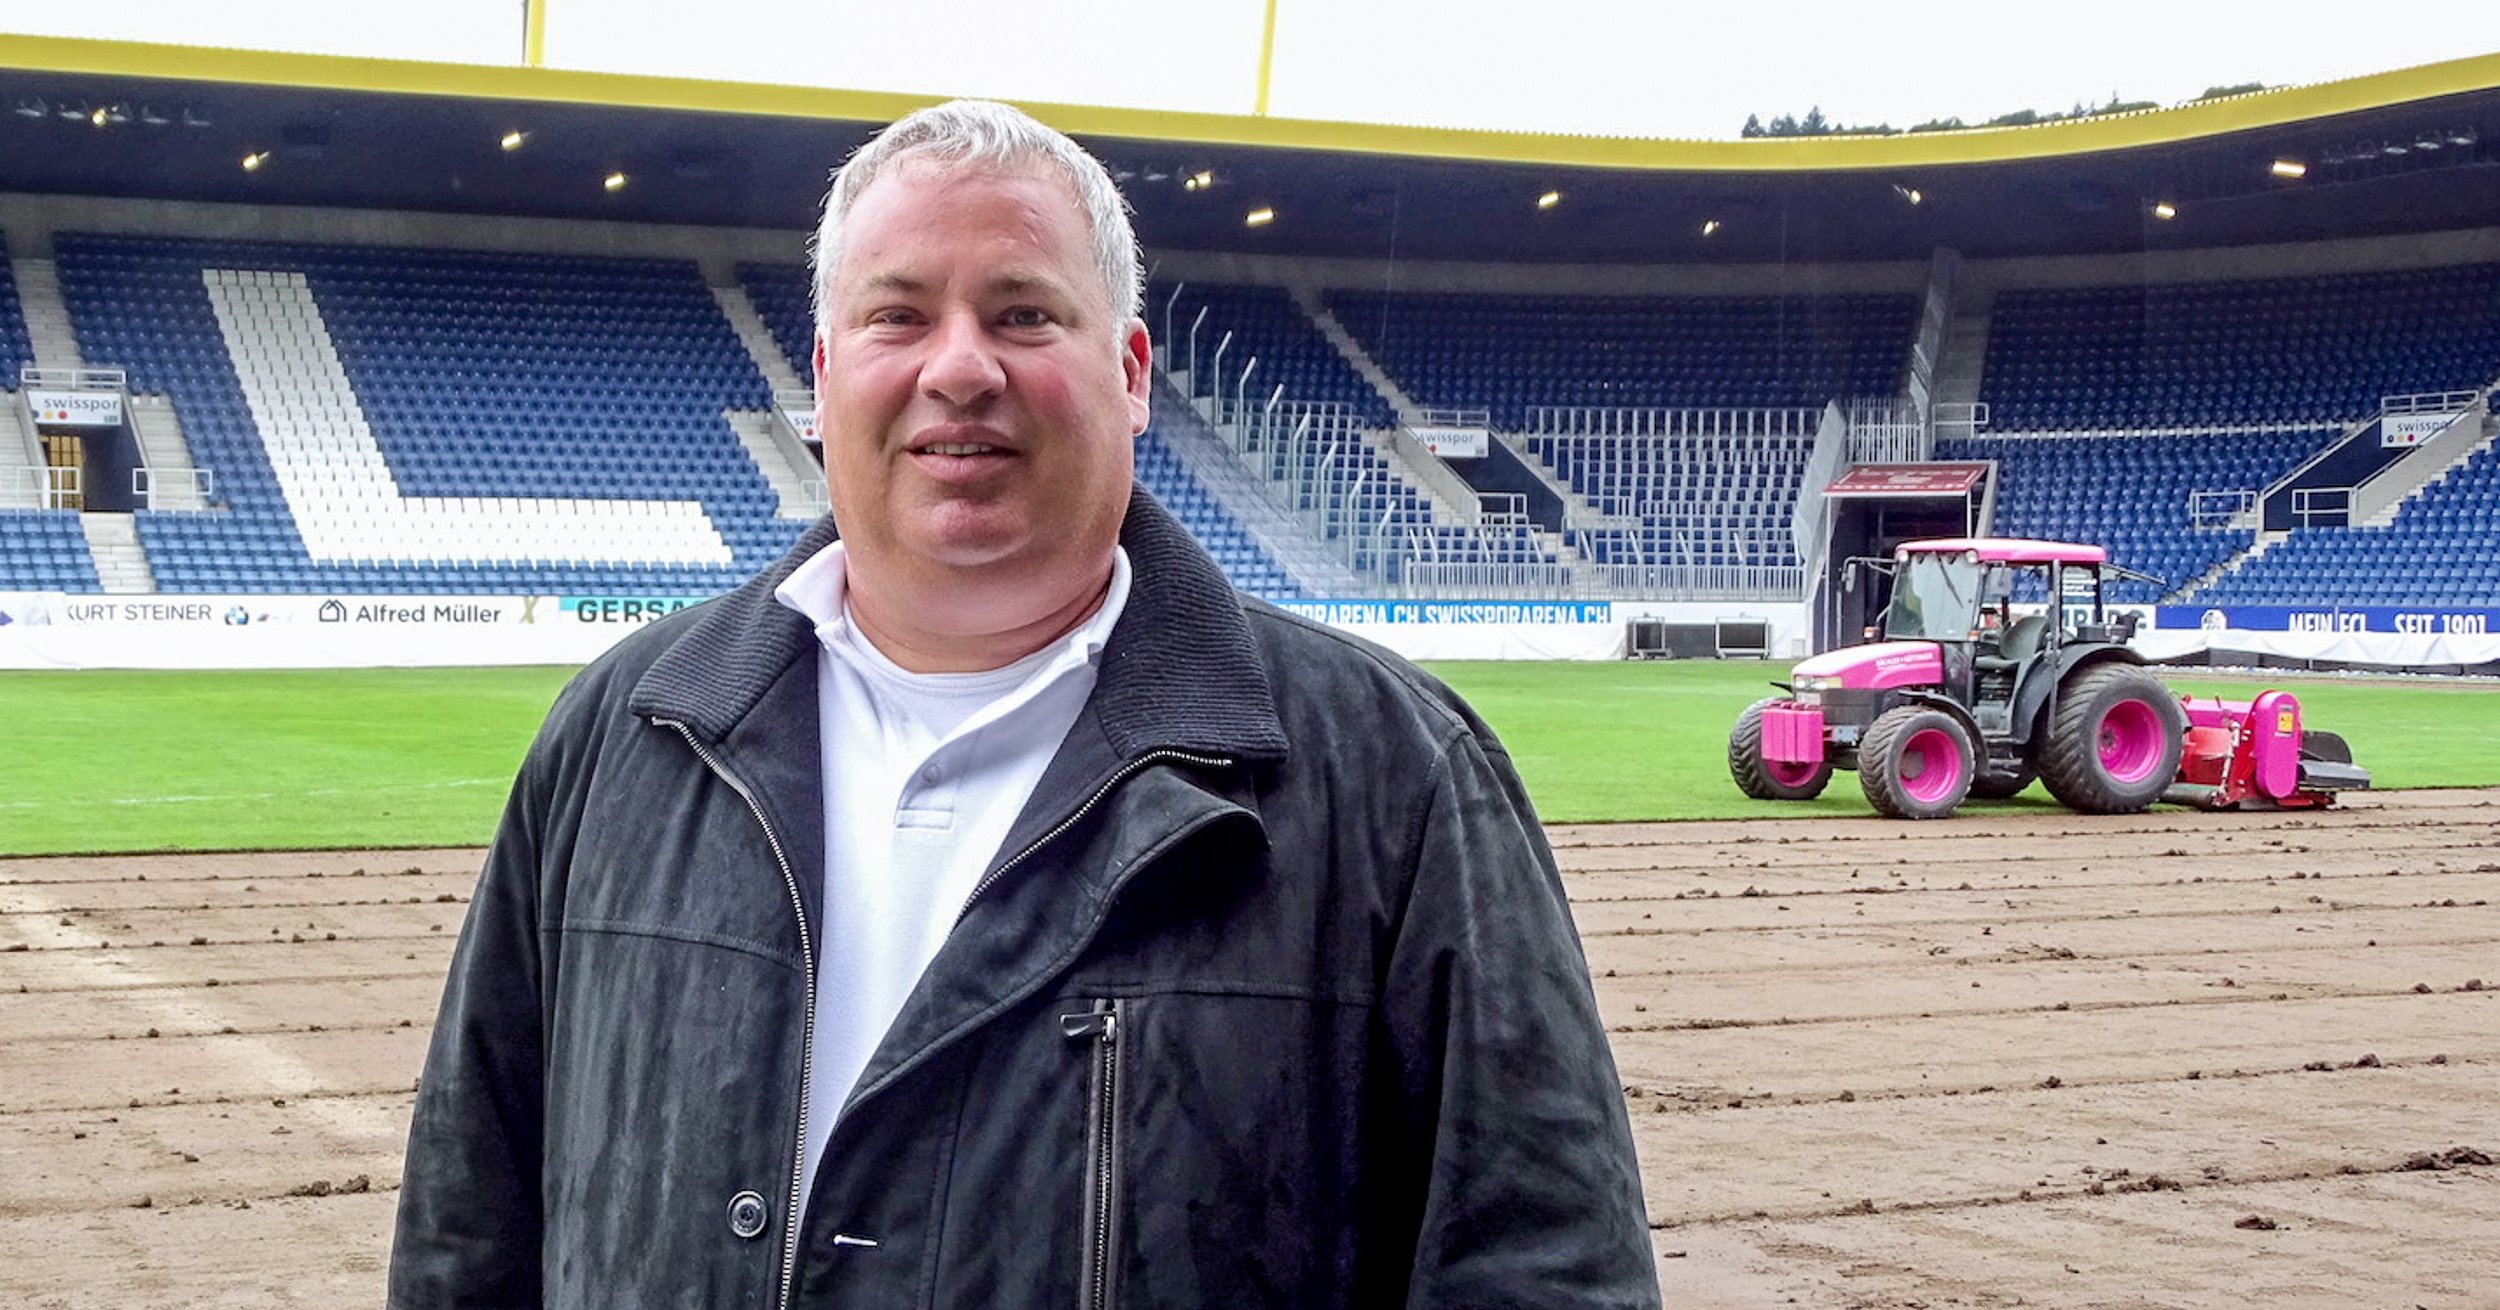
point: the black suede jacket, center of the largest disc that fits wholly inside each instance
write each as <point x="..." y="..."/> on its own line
<point x="1271" y="999"/>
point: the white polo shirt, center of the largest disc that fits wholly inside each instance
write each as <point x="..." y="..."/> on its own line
<point x="924" y="773"/>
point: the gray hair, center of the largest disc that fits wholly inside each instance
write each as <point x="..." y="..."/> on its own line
<point x="985" y="133"/>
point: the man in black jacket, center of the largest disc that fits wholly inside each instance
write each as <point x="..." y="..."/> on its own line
<point x="988" y="907"/>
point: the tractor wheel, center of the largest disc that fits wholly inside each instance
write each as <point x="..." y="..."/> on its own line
<point x="1915" y="763"/>
<point x="2003" y="779"/>
<point x="1769" y="780"/>
<point x="2114" y="745"/>
<point x="2328" y="746"/>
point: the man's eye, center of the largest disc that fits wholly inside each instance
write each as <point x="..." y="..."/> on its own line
<point x="1026" y="316"/>
<point x="893" y="317"/>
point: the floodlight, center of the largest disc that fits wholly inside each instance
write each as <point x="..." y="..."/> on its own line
<point x="1260" y="217"/>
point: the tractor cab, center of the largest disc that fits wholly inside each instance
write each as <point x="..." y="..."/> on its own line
<point x="1962" y="594"/>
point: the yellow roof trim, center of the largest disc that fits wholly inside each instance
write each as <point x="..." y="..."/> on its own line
<point x="2151" y="127"/>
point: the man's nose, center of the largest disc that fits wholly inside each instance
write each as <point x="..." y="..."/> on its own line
<point x="962" y="366"/>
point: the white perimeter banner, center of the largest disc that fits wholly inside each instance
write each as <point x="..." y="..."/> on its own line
<point x="75" y="409"/>
<point x="54" y="630"/>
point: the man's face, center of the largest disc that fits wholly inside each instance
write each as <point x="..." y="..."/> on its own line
<point x="977" y="402"/>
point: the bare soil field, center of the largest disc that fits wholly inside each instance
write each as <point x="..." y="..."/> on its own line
<point x="2017" y="1058"/>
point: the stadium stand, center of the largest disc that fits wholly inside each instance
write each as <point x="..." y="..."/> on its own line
<point x="2163" y="505"/>
<point x="2276" y="351"/>
<point x="1242" y="559"/>
<point x="2248" y="379"/>
<point x="2435" y="550"/>
<point x="1701" y="502"/>
<point x="1509" y="353"/>
<point x="1267" y="325"/>
<point x="45" y="550"/>
<point x="434" y="421"/>
<point x="387" y="419"/>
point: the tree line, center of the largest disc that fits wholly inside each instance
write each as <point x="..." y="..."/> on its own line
<point x="1815" y="123"/>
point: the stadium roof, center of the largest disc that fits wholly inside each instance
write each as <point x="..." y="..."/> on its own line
<point x="2412" y="150"/>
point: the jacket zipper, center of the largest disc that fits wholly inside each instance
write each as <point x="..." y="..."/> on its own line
<point x="1078" y="815"/>
<point x="1101" y="1025"/>
<point x="807" y="1030"/>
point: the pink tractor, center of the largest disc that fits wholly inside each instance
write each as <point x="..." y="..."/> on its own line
<point x="1963" y="697"/>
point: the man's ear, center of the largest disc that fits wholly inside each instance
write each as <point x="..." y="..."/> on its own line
<point x="1136" y="367"/>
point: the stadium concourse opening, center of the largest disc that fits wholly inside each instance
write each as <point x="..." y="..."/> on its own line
<point x="1872" y="508"/>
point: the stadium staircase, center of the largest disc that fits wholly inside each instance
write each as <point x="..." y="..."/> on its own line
<point x="1312" y="303"/>
<point x="175" y="482"/>
<point x="1961" y="369"/>
<point x="121" y="566"/>
<point x="761" y="345"/>
<point x="795" y="475"/>
<point x="800" y="492"/>
<point x="1197" y="449"/>
<point x="50" y="340"/>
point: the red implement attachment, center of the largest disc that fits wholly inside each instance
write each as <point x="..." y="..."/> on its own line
<point x="2254" y="755"/>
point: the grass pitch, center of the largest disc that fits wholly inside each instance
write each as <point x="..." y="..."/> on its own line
<point x="125" y="760"/>
<point x="138" y="761"/>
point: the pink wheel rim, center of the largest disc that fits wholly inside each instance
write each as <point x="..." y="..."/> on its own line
<point x="1931" y="766"/>
<point x="2130" y="741"/>
<point x="1790" y="773"/>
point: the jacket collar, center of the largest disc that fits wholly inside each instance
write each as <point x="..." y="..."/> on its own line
<point x="1180" y="671"/>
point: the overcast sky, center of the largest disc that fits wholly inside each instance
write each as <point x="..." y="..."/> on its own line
<point x="1616" y="67"/>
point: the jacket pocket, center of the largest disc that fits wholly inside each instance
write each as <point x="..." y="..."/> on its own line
<point x="1099" y="1028"/>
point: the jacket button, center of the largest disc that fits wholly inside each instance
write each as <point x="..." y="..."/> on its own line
<point x="747" y="1215"/>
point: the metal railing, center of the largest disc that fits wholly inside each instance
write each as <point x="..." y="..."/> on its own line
<point x="2210" y="510"/>
<point x="1703" y="581"/>
<point x="2426" y="402"/>
<point x="1609" y="421"/>
<point x="50" y="486"/>
<point x="2310" y="504"/>
<point x="190" y="488"/>
<point x="1485" y="580"/>
<point x="73" y="379"/>
<point x="1961" y="420"/>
